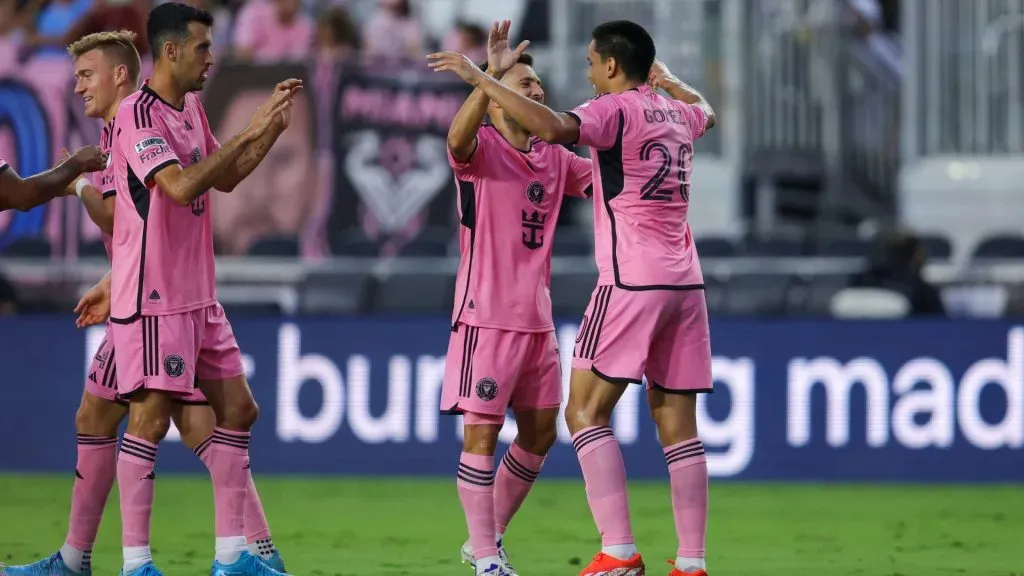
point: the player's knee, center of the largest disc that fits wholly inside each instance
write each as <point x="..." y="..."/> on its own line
<point x="537" y="441"/>
<point x="583" y="414"/>
<point x="240" y="415"/>
<point x="89" y="420"/>
<point x="152" y="426"/>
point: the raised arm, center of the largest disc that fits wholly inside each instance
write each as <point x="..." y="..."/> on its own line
<point x="462" y="140"/>
<point x="256" y="151"/>
<point x="25" y="194"/>
<point x="660" y="77"/>
<point x="185" y="184"/>
<point x="538" y="119"/>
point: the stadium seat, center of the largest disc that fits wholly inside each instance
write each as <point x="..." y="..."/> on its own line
<point x="570" y="241"/>
<point x="570" y="294"/>
<point x="813" y="296"/>
<point x="276" y="246"/>
<point x="430" y="244"/>
<point x="1002" y="246"/>
<point x="94" y="249"/>
<point x="846" y="248"/>
<point x="773" y="247"/>
<point x="28" y="247"/>
<point x="334" y="293"/>
<point x="939" y="248"/>
<point x="356" y="244"/>
<point x="756" y="295"/>
<point x="869" y="303"/>
<point x="715" y="248"/>
<point x="414" y="293"/>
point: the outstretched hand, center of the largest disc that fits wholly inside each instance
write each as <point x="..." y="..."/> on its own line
<point x="501" y="58"/>
<point x="278" y="104"/>
<point x="455" y="62"/>
<point x="94" y="307"/>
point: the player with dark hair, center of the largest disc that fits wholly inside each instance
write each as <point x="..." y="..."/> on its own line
<point x="24" y="194"/>
<point x="107" y="69"/>
<point x="502" y="350"/>
<point x="170" y="332"/>
<point x="648" y="315"/>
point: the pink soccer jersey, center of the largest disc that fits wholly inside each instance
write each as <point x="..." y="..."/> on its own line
<point x="508" y="207"/>
<point x="104" y="180"/>
<point x="163" y="253"/>
<point x="642" y="148"/>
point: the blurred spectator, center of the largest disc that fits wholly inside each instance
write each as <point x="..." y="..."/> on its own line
<point x="337" y="35"/>
<point x="114" y="15"/>
<point x="469" y="39"/>
<point x="268" y="31"/>
<point x="897" y="265"/>
<point x="12" y="35"/>
<point x="53" y="21"/>
<point x="8" y="298"/>
<point x="392" y="32"/>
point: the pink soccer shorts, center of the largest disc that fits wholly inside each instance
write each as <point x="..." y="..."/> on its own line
<point x="488" y="370"/>
<point x="663" y="334"/>
<point x="171" y="352"/>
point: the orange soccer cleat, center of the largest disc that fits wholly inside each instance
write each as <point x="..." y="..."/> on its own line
<point x="605" y="565"/>
<point x="677" y="572"/>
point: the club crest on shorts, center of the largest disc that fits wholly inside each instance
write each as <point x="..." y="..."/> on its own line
<point x="486" y="389"/>
<point x="174" y="365"/>
<point x="535" y="192"/>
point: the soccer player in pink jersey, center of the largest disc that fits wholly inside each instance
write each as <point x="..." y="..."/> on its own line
<point x="168" y="329"/>
<point x="647" y="316"/>
<point x="502" y="351"/>
<point x="25" y="194"/>
<point x="107" y="68"/>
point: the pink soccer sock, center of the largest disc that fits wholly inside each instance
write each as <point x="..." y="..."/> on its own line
<point x="476" y="492"/>
<point x="605" y="476"/>
<point x="254" y="519"/>
<point x="135" y="483"/>
<point x="228" y="461"/>
<point x="688" y="476"/>
<point x="518" y="471"/>
<point x="94" y="477"/>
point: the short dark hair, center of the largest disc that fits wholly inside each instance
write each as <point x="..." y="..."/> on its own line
<point x="629" y="43"/>
<point x="524" y="59"/>
<point x="477" y="34"/>
<point x="170" y="22"/>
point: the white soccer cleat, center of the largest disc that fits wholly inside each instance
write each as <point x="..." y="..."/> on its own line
<point x="468" y="558"/>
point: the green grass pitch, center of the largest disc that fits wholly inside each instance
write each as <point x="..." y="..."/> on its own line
<point x="393" y="527"/>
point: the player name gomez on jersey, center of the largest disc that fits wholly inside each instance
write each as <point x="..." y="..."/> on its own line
<point x="163" y="260"/>
<point x="642" y="147"/>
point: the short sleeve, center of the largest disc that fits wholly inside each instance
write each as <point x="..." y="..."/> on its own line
<point x="473" y="167"/>
<point x="579" y="182"/>
<point x="145" y="147"/>
<point x="695" y="117"/>
<point x="599" y="120"/>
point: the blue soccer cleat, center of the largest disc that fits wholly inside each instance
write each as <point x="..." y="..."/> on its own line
<point x="247" y="565"/>
<point x="275" y="562"/>
<point x="52" y="566"/>
<point x="147" y="569"/>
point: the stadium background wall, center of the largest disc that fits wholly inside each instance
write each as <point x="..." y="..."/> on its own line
<point x="815" y="400"/>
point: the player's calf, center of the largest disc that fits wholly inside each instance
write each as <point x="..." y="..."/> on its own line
<point x="675" y="414"/>
<point x="476" y="486"/>
<point x="196" y="423"/>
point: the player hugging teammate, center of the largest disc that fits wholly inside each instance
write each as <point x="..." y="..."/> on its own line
<point x="647" y="316"/>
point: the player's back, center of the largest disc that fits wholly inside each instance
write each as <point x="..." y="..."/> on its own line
<point x="642" y="148"/>
<point x="163" y="252"/>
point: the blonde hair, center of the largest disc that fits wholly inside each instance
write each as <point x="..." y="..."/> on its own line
<point x="119" y="45"/>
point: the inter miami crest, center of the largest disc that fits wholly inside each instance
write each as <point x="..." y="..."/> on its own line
<point x="174" y="365"/>
<point x="535" y="193"/>
<point x="486" y="389"/>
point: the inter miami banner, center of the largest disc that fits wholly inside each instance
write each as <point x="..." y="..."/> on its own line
<point x="391" y="172"/>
